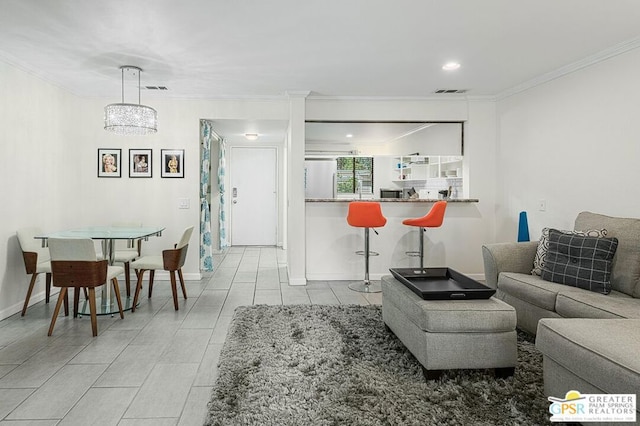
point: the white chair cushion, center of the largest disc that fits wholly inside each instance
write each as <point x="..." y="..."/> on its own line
<point x="72" y="249"/>
<point x="43" y="267"/>
<point x="148" y="263"/>
<point x="121" y="256"/>
<point x="125" y="255"/>
<point x="186" y="236"/>
<point x="28" y="242"/>
<point x="114" y="271"/>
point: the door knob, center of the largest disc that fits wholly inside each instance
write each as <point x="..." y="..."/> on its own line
<point x="235" y="201"/>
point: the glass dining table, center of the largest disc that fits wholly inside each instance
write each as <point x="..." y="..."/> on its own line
<point x="107" y="236"/>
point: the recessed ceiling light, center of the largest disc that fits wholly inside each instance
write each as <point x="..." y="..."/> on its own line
<point x="251" y="136"/>
<point x="451" y="66"/>
<point x="349" y="135"/>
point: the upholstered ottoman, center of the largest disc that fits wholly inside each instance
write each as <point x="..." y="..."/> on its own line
<point x="590" y="356"/>
<point x="451" y="334"/>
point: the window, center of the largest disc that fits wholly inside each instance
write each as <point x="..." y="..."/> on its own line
<point x="355" y="175"/>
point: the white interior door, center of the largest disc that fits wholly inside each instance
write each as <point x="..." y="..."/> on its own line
<point x="254" y="183"/>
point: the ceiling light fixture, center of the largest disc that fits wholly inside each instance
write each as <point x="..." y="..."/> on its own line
<point x="451" y="66"/>
<point x="251" y="136"/>
<point x="349" y="135"/>
<point x="130" y="119"/>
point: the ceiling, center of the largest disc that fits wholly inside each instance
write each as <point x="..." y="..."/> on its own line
<point x="214" y="49"/>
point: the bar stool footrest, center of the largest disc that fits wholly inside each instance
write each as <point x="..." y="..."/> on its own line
<point x="371" y="253"/>
<point x="366" y="287"/>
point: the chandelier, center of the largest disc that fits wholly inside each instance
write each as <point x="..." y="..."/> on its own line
<point x="130" y="119"/>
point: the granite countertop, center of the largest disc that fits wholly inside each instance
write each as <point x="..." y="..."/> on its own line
<point x="391" y="200"/>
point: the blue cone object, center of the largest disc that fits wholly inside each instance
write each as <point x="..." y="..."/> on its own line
<point x="523" y="228"/>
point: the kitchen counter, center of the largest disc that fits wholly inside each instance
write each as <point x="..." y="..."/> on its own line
<point x="331" y="242"/>
<point x="390" y="200"/>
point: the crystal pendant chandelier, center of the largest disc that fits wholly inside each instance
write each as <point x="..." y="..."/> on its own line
<point x="130" y="119"/>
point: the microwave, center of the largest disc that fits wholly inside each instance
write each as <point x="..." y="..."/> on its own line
<point x="390" y="193"/>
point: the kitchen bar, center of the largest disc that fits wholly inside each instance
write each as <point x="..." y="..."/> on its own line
<point x="331" y="243"/>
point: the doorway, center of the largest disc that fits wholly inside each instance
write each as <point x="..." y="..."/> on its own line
<point x="254" y="196"/>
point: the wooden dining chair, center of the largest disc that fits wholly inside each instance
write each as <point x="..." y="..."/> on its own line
<point x="125" y="254"/>
<point x="36" y="262"/>
<point x="171" y="260"/>
<point x="74" y="264"/>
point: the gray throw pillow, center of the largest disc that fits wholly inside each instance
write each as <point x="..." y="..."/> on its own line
<point x="580" y="261"/>
<point x="543" y="246"/>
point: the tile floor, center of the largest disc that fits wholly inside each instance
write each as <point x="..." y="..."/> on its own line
<point x="155" y="367"/>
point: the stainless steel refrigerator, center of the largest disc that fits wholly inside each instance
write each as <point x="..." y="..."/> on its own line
<point x="319" y="178"/>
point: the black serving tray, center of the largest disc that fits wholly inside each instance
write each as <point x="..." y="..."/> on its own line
<point x="441" y="284"/>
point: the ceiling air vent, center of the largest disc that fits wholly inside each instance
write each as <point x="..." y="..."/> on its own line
<point x="156" y="87"/>
<point x="451" y="91"/>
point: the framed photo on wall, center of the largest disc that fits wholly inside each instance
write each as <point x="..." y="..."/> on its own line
<point x="172" y="163"/>
<point x="140" y="163"/>
<point x="109" y="161"/>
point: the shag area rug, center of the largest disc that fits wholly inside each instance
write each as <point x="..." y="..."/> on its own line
<point x="338" y="365"/>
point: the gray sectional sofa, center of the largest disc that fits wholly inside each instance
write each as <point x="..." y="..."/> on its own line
<point x="508" y="267"/>
<point x="590" y="341"/>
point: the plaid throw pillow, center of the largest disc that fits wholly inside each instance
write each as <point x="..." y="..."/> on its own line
<point x="543" y="246"/>
<point x="580" y="261"/>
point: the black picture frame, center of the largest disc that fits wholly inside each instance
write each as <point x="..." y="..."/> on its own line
<point x="109" y="162"/>
<point x="140" y="163"/>
<point x="172" y="163"/>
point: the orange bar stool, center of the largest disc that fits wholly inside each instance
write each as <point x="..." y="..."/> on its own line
<point x="367" y="215"/>
<point x="433" y="219"/>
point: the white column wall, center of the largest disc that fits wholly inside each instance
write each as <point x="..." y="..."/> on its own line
<point x="295" y="191"/>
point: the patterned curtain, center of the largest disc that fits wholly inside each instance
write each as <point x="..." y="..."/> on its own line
<point x="206" y="258"/>
<point x="222" y="170"/>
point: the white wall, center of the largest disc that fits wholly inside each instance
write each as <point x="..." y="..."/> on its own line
<point x="574" y="143"/>
<point x="155" y="201"/>
<point x="50" y="140"/>
<point x="295" y="211"/>
<point x="331" y="242"/>
<point x="570" y="142"/>
<point x="37" y="135"/>
<point x="439" y="139"/>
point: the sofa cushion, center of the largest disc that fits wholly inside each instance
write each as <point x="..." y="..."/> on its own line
<point x="531" y="289"/>
<point x="577" y="303"/>
<point x="580" y="261"/>
<point x="625" y="272"/>
<point x="601" y="352"/>
<point x="543" y="245"/>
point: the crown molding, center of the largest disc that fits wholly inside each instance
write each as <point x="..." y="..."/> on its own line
<point x="601" y="56"/>
<point x="297" y="93"/>
<point x="450" y="97"/>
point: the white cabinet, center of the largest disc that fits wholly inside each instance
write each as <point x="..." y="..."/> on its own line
<point x="420" y="171"/>
<point x="420" y="168"/>
<point x="447" y="166"/>
<point x="411" y="168"/>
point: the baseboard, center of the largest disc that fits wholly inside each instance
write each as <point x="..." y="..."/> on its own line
<point x="164" y="275"/>
<point x="298" y="281"/>
<point x="16" y="308"/>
